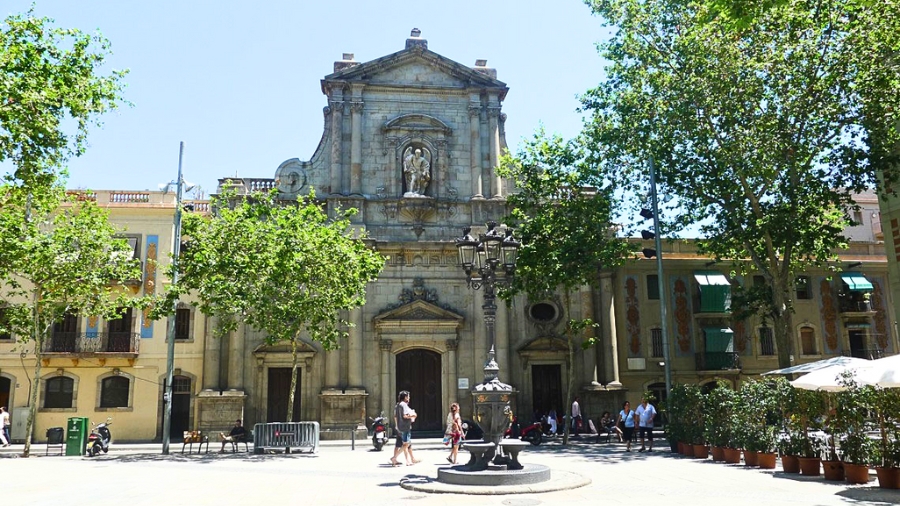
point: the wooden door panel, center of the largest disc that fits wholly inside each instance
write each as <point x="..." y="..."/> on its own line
<point x="279" y="387"/>
<point x="419" y="372"/>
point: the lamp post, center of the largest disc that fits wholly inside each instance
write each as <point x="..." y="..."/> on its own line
<point x="490" y="262"/>
<point x="170" y="329"/>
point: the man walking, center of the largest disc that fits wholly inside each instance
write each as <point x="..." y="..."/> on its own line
<point x="576" y="416"/>
<point x="645" y="413"/>
<point x="404" y="416"/>
<point x="4" y="426"/>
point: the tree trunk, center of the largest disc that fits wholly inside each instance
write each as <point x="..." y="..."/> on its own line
<point x="37" y="339"/>
<point x="290" y="410"/>
<point x="782" y="323"/>
<point x="570" y="390"/>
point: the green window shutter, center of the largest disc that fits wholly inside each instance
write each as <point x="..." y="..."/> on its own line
<point x="715" y="292"/>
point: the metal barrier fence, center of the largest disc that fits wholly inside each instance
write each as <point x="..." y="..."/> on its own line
<point x="287" y="436"/>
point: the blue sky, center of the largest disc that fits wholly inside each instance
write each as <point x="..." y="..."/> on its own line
<point x="238" y="82"/>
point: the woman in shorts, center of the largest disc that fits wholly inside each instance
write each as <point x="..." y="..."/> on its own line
<point x="625" y="421"/>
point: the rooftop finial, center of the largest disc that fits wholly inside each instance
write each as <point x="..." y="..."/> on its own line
<point x="415" y="40"/>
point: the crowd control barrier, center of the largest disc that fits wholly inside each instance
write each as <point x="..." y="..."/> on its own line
<point x="286" y="436"/>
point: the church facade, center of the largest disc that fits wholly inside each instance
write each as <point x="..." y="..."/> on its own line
<point x="411" y="140"/>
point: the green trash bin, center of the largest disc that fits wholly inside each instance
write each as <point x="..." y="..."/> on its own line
<point x="76" y="436"/>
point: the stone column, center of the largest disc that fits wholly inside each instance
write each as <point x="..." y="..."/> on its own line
<point x="212" y="347"/>
<point x="386" y="389"/>
<point x="236" y="359"/>
<point x="333" y="368"/>
<point x="475" y="148"/>
<point x="608" y="336"/>
<point x="355" y="345"/>
<point x="494" y="139"/>
<point x="356" y="108"/>
<point x="337" y="134"/>
<point x="452" y="371"/>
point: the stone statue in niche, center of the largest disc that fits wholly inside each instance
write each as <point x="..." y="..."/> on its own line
<point x="416" y="170"/>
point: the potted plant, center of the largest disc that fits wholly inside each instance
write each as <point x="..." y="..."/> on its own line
<point x="810" y="408"/>
<point x="675" y="427"/>
<point x="760" y="417"/>
<point x="886" y="403"/>
<point x="720" y="430"/>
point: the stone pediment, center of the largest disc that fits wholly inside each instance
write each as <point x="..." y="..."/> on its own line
<point x="284" y="347"/>
<point x="418" y="312"/>
<point x="415" y="67"/>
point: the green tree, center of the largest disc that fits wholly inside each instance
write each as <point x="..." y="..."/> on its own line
<point x="561" y="212"/>
<point x="284" y="268"/>
<point x="71" y="262"/>
<point x="51" y="91"/>
<point x="758" y="133"/>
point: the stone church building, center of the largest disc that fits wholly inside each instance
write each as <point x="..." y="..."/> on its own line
<point x="411" y="140"/>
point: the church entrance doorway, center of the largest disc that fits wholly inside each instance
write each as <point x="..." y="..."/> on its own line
<point x="546" y="388"/>
<point x="279" y="389"/>
<point x="419" y="372"/>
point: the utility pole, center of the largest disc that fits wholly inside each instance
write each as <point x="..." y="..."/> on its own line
<point x="664" y="327"/>
<point x="170" y="330"/>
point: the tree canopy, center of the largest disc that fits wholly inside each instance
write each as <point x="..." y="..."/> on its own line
<point x="562" y="214"/>
<point x="759" y="133"/>
<point x="52" y="90"/>
<point x="285" y="268"/>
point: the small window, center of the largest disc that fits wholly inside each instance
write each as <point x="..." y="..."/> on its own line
<point x="652" y="287"/>
<point x="59" y="392"/>
<point x="808" y="341"/>
<point x="766" y="341"/>
<point x="114" y="392"/>
<point x="134" y="243"/>
<point x="656" y="343"/>
<point x="803" y="288"/>
<point x="182" y="324"/>
<point x="181" y="385"/>
<point x="857" y="218"/>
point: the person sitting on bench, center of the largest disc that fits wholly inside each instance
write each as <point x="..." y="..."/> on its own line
<point x="237" y="434"/>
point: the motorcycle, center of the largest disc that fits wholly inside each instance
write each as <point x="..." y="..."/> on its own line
<point x="99" y="438"/>
<point x="533" y="433"/>
<point x="379" y="432"/>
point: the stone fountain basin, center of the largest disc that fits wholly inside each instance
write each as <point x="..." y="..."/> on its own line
<point x="494" y="476"/>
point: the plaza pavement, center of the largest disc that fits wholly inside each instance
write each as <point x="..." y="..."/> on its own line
<point x="136" y="475"/>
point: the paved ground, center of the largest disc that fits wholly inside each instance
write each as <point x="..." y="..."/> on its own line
<point x="138" y="475"/>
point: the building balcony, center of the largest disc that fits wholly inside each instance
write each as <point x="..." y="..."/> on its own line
<point x="92" y="343"/>
<point x="719" y="361"/>
<point x="855" y="307"/>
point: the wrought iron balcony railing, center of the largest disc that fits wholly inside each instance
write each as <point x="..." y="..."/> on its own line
<point x="92" y="343"/>
<point x="717" y="360"/>
<point x="855" y="306"/>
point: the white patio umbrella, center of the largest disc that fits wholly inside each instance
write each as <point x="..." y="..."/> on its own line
<point x="828" y="378"/>
<point x="819" y="364"/>
<point x="884" y="372"/>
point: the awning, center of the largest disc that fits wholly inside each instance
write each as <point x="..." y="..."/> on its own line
<point x="711" y="278"/>
<point x="857" y="282"/>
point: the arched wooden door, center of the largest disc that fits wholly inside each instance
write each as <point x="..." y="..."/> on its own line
<point x="419" y="372"/>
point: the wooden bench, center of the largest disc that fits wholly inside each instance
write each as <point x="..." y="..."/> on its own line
<point x="192" y="437"/>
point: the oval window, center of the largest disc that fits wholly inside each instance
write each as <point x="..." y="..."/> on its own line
<point x="543" y="312"/>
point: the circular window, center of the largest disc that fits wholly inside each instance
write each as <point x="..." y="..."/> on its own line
<point x="543" y="312"/>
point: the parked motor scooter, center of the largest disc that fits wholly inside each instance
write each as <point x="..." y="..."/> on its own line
<point x="533" y="433"/>
<point x="99" y="438"/>
<point x="379" y="432"/>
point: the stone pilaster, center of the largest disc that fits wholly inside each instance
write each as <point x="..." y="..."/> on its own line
<point x="355" y="345"/>
<point x="337" y="126"/>
<point x="212" y="348"/>
<point x="494" y="140"/>
<point x="356" y="109"/>
<point x="475" y="149"/>
<point x="332" y="368"/>
<point x="452" y="370"/>
<point x="608" y="337"/>
<point x="236" y="359"/>
<point x="590" y="358"/>
<point x="385" y="346"/>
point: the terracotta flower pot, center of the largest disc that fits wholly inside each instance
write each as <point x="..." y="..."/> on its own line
<point x="790" y="464"/>
<point x="888" y="477"/>
<point x="732" y="456"/>
<point x="856" y="474"/>
<point x="687" y="450"/>
<point x="751" y="458"/>
<point x="718" y="453"/>
<point x="701" y="451"/>
<point x="834" y="470"/>
<point x="680" y="446"/>
<point x="766" y="460"/>
<point x="810" y="466"/>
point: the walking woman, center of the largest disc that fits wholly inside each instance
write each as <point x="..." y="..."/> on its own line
<point x="625" y="420"/>
<point x="454" y="431"/>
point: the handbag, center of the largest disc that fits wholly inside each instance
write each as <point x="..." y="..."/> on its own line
<point x="447" y="439"/>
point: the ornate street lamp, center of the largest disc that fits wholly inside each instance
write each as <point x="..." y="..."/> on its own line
<point x="490" y="262"/>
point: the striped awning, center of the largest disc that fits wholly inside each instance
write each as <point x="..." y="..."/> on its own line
<point x="857" y="282"/>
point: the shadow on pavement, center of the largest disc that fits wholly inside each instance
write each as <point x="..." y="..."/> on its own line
<point x="206" y="458"/>
<point x="871" y="495"/>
